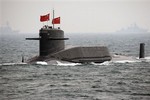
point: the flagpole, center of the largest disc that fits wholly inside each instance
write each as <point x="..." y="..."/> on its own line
<point x="60" y="22"/>
<point x="48" y="19"/>
<point x="53" y="17"/>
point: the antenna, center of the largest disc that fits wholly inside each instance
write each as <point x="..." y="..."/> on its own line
<point x="22" y="59"/>
<point x="53" y="17"/>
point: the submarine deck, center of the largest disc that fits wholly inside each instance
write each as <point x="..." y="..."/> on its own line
<point x="96" y="54"/>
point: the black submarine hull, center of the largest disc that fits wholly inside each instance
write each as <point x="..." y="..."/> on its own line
<point x="52" y="47"/>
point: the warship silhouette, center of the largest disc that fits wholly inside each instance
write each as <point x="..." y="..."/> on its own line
<point x="7" y="30"/>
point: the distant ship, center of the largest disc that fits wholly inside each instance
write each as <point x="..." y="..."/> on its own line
<point x="134" y="28"/>
<point x="6" y="30"/>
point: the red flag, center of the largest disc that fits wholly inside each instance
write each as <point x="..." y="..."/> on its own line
<point x="56" y="20"/>
<point x="44" y="18"/>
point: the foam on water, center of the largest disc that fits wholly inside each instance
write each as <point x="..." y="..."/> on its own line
<point x="76" y="64"/>
<point x="41" y="63"/>
<point x="11" y="64"/>
<point x="106" y="63"/>
<point x="66" y="64"/>
<point x="147" y="59"/>
<point x="125" y="61"/>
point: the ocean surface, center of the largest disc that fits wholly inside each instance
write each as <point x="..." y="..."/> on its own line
<point x="123" y="80"/>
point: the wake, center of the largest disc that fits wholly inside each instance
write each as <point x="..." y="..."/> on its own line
<point x="62" y="63"/>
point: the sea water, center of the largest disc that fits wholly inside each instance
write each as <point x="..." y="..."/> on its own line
<point x="113" y="80"/>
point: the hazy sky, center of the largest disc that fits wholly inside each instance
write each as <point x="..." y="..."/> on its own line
<point x="77" y="16"/>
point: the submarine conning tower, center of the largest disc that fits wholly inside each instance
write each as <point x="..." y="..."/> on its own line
<point x="51" y="40"/>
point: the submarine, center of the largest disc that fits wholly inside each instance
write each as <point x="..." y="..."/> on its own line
<point x="52" y="47"/>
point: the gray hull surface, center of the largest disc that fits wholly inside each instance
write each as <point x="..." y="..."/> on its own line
<point x="78" y="55"/>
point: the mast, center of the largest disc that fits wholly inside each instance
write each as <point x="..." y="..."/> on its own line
<point x="53" y="17"/>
